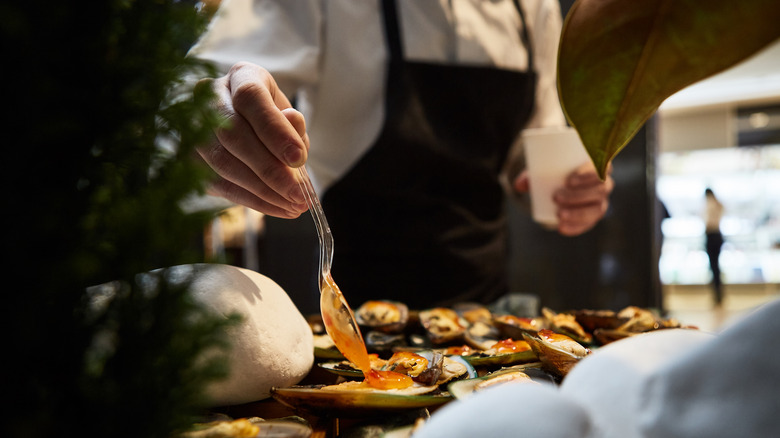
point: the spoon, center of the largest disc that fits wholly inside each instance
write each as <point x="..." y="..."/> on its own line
<point x="337" y="316"/>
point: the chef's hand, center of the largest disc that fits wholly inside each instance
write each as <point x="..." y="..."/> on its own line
<point x="255" y="152"/>
<point x="582" y="201"/>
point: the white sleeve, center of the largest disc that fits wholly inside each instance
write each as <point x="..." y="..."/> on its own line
<point x="545" y="35"/>
<point x="282" y="36"/>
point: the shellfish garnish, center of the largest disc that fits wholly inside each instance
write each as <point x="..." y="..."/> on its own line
<point x="463" y="388"/>
<point x="363" y="386"/>
<point x="378" y="341"/>
<point x="558" y="353"/>
<point x="383" y="315"/>
<point x="503" y="352"/>
<point x="406" y="362"/>
<point x="511" y="376"/>
<point x="507" y="346"/>
<point x="460" y="350"/>
<point x="591" y="320"/>
<point x="442" y="325"/>
<point x="511" y="326"/>
<point x="481" y="334"/>
<point x="473" y="312"/>
<point x="567" y="324"/>
<point x="456" y="367"/>
<point x="639" y="320"/>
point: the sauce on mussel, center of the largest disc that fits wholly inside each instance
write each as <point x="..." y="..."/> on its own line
<point x="350" y="342"/>
<point x="507" y="346"/>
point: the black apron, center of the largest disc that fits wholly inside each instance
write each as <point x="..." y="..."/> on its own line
<point x="421" y="217"/>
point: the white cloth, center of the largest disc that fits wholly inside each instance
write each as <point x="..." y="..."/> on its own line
<point x="667" y="383"/>
<point x="331" y="55"/>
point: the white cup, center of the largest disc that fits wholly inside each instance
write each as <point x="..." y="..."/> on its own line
<point x="550" y="154"/>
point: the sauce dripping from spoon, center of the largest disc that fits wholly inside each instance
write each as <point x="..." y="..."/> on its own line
<point x="340" y="324"/>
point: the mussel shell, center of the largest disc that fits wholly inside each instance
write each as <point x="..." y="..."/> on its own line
<point x="473" y="312"/>
<point x="471" y="372"/>
<point x="481" y="360"/>
<point x="324" y="348"/>
<point x="442" y="325"/>
<point x="432" y="373"/>
<point x="381" y="342"/>
<point x="566" y="323"/>
<point x="606" y="336"/>
<point x="286" y="427"/>
<point x="639" y="320"/>
<point x="510" y="326"/>
<point x="340" y="369"/>
<point x="356" y="403"/>
<point x="530" y="373"/>
<point x="481" y="335"/>
<point x="591" y="320"/>
<point x="554" y="358"/>
<point x="383" y="315"/>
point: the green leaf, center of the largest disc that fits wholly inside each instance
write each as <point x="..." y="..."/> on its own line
<point x="620" y="59"/>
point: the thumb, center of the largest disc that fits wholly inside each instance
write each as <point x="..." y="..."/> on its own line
<point x="520" y="184"/>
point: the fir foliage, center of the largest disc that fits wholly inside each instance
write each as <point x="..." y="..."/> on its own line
<point x="96" y="197"/>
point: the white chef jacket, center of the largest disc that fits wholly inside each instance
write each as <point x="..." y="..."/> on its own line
<point x="331" y="56"/>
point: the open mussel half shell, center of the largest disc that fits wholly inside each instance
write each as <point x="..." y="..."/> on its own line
<point x="355" y="399"/>
<point x="523" y="374"/>
<point x="591" y="320"/>
<point x="511" y="326"/>
<point x="566" y="323"/>
<point x="382" y="315"/>
<point x="605" y="336"/>
<point x="638" y="320"/>
<point x="503" y="352"/>
<point x="381" y="342"/>
<point x="557" y="352"/>
<point x="442" y="325"/>
<point x="473" y="312"/>
<point x="481" y="335"/>
<point x="429" y="367"/>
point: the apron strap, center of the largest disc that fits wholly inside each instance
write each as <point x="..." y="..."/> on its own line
<point x="393" y="33"/>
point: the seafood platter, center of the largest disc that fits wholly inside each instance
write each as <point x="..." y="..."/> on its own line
<point x="422" y="359"/>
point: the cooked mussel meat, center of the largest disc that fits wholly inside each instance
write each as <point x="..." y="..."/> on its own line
<point x="382" y="315"/>
<point x="473" y="312"/>
<point x="481" y="335"/>
<point x="638" y="320"/>
<point x="511" y="326"/>
<point x="442" y="325"/>
<point x="557" y="352"/>
<point x="592" y="320"/>
<point x="566" y="323"/>
<point x="427" y="367"/>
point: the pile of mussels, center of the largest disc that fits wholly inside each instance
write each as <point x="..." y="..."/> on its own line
<point x="488" y="342"/>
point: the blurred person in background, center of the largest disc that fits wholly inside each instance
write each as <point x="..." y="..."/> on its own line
<point x="713" y="213"/>
<point x="412" y="108"/>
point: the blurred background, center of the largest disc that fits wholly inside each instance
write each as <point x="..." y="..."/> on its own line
<point x="722" y="133"/>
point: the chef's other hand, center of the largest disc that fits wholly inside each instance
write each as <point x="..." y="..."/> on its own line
<point x="582" y="201"/>
<point x="255" y="152"/>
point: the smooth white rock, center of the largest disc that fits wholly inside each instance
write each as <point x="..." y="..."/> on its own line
<point x="272" y="347"/>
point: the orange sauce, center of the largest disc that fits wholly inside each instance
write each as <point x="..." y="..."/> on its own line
<point x="388" y="379"/>
<point x="346" y="335"/>
<point x="507" y="346"/>
<point x="517" y="321"/>
<point x="460" y="350"/>
<point x="551" y="336"/>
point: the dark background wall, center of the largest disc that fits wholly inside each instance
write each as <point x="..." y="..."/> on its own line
<point x="612" y="266"/>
